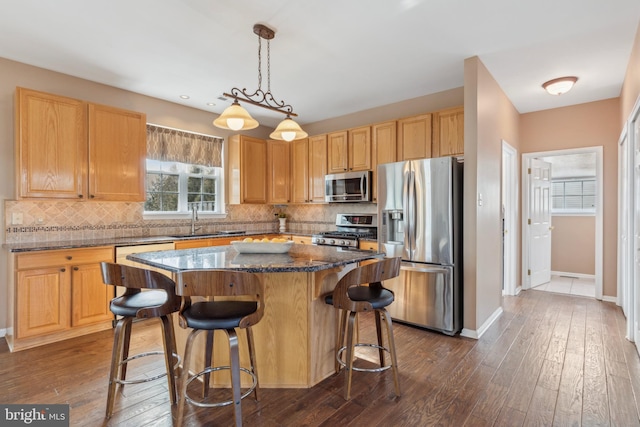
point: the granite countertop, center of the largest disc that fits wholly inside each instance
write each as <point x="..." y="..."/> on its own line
<point x="121" y="241"/>
<point x="300" y="258"/>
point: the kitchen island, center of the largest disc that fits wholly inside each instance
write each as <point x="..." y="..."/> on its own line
<point x="295" y="340"/>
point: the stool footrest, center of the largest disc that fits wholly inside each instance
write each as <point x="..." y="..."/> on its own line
<point x="226" y="402"/>
<point x="344" y="365"/>
<point x="145" y="380"/>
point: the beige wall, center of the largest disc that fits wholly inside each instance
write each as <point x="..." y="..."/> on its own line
<point x="398" y="110"/>
<point x="585" y="125"/>
<point x="489" y="118"/>
<point x="573" y="244"/>
<point x="631" y="87"/>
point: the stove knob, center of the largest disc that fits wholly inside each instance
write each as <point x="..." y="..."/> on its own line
<point x="332" y="242"/>
<point x="343" y="243"/>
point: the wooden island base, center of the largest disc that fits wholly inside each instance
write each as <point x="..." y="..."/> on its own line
<point x="295" y="340"/>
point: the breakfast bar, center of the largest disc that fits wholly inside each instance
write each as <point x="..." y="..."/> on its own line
<point x="295" y="339"/>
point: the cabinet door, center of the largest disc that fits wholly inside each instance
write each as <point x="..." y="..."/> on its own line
<point x="90" y="297"/>
<point x="42" y="301"/>
<point x="360" y="149"/>
<point x="383" y="149"/>
<point x="253" y="170"/>
<point x="278" y="168"/>
<point x="117" y="150"/>
<point x="337" y="148"/>
<point x="414" y="137"/>
<point x="448" y="132"/>
<point x="51" y="145"/>
<point x="317" y="167"/>
<point x="303" y="240"/>
<point x="300" y="160"/>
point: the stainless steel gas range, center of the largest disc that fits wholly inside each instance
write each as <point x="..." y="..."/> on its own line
<point x="350" y="228"/>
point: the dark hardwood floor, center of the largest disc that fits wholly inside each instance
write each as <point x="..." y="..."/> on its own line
<point x="548" y="360"/>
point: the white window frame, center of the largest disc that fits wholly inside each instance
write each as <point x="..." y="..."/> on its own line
<point x="573" y="211"/>
<point x="181" y="169"/>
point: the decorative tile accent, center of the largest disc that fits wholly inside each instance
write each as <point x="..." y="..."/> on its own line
<point x="74" y="220"/>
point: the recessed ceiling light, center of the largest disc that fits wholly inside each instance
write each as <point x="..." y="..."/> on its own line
<point x="560" y="85"/>
<point x="184" y="96"/>
<point x="211" y="104"/>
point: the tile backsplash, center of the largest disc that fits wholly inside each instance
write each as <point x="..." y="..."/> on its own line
<point x="48" y="220"/>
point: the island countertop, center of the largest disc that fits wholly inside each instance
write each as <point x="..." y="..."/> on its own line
<point x="300" y="258"/>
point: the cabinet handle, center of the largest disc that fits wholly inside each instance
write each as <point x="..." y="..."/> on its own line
<point x="75" y="268"/>
<point x="63" y="270"/>
<point x="92" y="196"/>
<point x="69" y="257"/>
<point x="80" y="196"/>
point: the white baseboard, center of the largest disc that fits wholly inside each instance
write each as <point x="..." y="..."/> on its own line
<point x="576" y="275"/>
<point x="3" y="332"/>
<point x="610" y="299"/>
<point x="476" y="334"/>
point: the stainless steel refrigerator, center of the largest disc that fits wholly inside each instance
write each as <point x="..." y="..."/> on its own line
<point x="420" y="220"/>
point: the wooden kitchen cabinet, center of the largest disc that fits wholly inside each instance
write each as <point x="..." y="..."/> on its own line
<point x="247" y="174"/>
<point x="414" y="137"/>
<point x="302" y="240"/>
<point x="383" y="149"/>
<point x="58" y="294"/>
<point x="349" y="150"/>
<point x="367" y="245"/>
<point x="203" y="243"/>
<point x="448" y="132"/>
<point x="279" y="172"/>
<point x="308" y="168"/>
<point x="71" y="149"/>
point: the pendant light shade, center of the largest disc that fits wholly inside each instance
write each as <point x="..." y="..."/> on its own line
<point x="288" y="130"/>
<point x="235" y="117"/>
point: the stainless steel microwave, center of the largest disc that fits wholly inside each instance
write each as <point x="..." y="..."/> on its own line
<point x="348" y="187"/>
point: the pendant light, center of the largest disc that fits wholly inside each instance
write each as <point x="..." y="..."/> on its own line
<point x="235" y="117"/>
<point x="288" y="130"/>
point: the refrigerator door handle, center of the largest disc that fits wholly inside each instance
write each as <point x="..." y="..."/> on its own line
<point x="408" y="244"/>
<point x="422" y="269"/>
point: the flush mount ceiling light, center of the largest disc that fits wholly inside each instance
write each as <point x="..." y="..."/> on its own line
<point x="235" y="117"/>
<point x="560" y="85"/>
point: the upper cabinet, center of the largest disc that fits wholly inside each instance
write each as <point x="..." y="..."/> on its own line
<point x="383" y="149"/>
<point x="308" y="168"/>
<point x="414" y="137"/>
<point x="247" y="174"/>
<point x="349" y="150"/>
<point x="278" y="170"/>
<point x="70" y="149"/>
<point x="448" y="132"/>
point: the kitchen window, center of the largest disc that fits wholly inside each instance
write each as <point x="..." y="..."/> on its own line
<point x="184" y="171"/>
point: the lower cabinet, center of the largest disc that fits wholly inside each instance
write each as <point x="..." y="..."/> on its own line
<point x="304" y="240"/>
<point x="58" y="294"/>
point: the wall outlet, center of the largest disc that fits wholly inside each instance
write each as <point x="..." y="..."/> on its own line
<point x="16" y="218"/>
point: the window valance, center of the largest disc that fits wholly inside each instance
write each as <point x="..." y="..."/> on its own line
<point x="172" y="145"/>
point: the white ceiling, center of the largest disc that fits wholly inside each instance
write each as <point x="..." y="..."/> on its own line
<point x="329" y="57"/>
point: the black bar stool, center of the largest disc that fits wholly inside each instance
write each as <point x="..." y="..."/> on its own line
<point x="158" y="300"/>
<point x="352" y="296"/>
<point x="225" y="315"/>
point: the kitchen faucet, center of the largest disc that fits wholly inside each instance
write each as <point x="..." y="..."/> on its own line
<point x="194" y="218"/>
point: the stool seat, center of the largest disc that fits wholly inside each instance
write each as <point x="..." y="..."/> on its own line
<point x="212" y="315"/>
<point x="226" y="315"/>
<point x="148" y="294"/>
<point x="361" y="290"/>
<point x="128" y="305"/>
<point x="378" y="297"/>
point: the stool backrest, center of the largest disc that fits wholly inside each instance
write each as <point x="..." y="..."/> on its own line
<point x="224" y="283"/>
<point x="372" y="274"/>
<point x="135" y="279"/>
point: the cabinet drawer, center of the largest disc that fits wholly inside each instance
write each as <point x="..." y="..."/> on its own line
<point x="63" y="257"/>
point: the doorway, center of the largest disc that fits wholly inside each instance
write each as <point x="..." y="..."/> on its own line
<point x="573" y="193"/>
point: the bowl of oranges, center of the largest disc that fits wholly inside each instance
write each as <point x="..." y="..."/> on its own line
<point x="265" y="245"/>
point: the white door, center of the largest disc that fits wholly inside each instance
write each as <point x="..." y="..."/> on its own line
<point x="509" y="218"/>
<point x="539" y="222"/>
<point x="625" y="242"/>
<point x="635" y="279"/>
